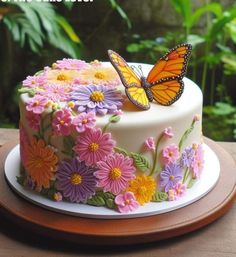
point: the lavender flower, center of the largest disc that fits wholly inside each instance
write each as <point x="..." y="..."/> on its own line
<point x="97" y="98"/>
<point x="187" y="157"/>
<point x="76" y="180"/>
<point x="170" y="176"/>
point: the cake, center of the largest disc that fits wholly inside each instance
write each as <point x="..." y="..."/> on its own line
<point x="83" y="141"/>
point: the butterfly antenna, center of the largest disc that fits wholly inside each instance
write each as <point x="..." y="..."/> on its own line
<point x="140" y="70"/>
<point x="136" y="70"/>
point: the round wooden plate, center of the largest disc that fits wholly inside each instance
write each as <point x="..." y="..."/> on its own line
<point x="126" y="231"/>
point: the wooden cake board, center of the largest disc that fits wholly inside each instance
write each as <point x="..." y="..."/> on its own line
<point x="125" y="231"/>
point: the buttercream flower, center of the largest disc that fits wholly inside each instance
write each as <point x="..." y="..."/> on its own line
<point x="62" y="122"/>
<point x="168" y="133"/>
<point x="57" y="197"/>
<point x="62" y="77"/>
<point x="84" y="121"/>
<point x="118" y="112"/>
<point x="171" y="195"/>
<point x="75" y="180"/>
<point x="37" y="104"/>
<point x="114" y="173"/>
<point x="34" y="81"/>
<point x="126" y="202"/>
<point x="55" y="92"/>
<point x="198" y="161"/>
<point x="97" y="98"/>
<point x="70" y="64"/>
<point x="196" y="117"/>
<point x="93" y="146"/>
<point x="149" y="144"/>
<point x="187" y="157"/>
<point x="143" y="188"/>
<point x="40" y="162"/>
<point x="33" y="120"/>
<point x="170" y="154"/>
<point x="170" y="176"/>
<point x="100" y="75"/>
<point x="180" y="189"/>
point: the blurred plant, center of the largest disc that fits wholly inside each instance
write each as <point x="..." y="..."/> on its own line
<point x="37" y="23"/>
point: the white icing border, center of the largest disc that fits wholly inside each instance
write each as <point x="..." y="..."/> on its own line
<point x="209" y="178"/>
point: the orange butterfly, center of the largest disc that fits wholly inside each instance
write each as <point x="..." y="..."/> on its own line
<point x="164" y="82"/>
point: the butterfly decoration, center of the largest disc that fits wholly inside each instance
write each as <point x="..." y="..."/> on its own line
<point x="164" y="82"/>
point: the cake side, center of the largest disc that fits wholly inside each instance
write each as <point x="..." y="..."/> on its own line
<point x="77" y="147"/>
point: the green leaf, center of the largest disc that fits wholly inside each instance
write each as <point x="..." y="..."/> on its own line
<point x="24" y="90"/>
<point x="140" y="161"/>
<point x="105" y="195"/>
<point x="159" y="196"/>
<point x="114" y="118"/>
<point x="102" y="199"/>
<point x="191" y="182"/>
<point x="96" y="201"/>
<point x="67" y="28"/>
<point x="121" y="151"/>
<point x="110" y="203"/>
<point x="68" y="143"/>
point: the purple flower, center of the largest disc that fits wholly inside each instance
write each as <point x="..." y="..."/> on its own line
<point x="76" y="180"/>
<point x="170" y="176"/>
<point x="187" y="157"/>
<point x="84" y="121"/>
<point x="97" y="98"/>
<point x="62" y="122"/>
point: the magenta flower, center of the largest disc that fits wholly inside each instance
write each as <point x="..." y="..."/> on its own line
<point x="114" y="173"/>
<point x="93" y="146"/>
<point x="180" y="189"/>
<point x="126" y="202"/>
<point x="70" y="64"/>
<point x="149" y="144"/>
<point x="168" y="133"/>
<point x="198" y="161"/>
<point x="62" y="122"/>
<point x="170" y="154"/>
<point x="36" y="104"/>
<point x="84" y="121"/>
<point x="34" y="81"/>
<point x="55" y="92"/>
<point x="33" y="120"/>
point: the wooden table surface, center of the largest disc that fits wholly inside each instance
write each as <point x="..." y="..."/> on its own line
<point x="215" y="240"/>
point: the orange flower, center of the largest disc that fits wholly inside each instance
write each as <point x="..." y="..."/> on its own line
<point x="40" y="162"/>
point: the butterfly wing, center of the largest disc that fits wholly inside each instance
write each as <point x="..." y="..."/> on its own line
<point x="173" y="64"/>
<point x="167" y="91"/>
<point x="130" y="80"/>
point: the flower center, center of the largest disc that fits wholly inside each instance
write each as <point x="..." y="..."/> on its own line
<point x="97" y="96"/>
<point x="99" y="75"/>
<point x="39" y="162"/>
<point x="84" y="121"/>
<point x="115" y="173"/>
<point x="93" y="147"/>
<point x="62" y="77"/>
<point x="171" y="154"/>
<point x="142" y="190"/>
<point x="62" y="122"/>
<point x="172" y="177"/>
<point x="36" y="103"/>
<point x="75" y="179"/>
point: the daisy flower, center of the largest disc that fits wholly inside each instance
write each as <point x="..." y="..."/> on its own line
<point x="34" y="81"/>
<point x="170" y="154"/>
<point x="70" y="64"/>
<point x="114" y="173"/>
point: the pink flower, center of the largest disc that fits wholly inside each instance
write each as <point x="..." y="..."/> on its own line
<point x="196" y="117"/>
<point x="118" y="112"/>
<point x="34" y="81"/>
<point x="126" y="202"/>
<point x="55" y="92"/>
<point x="180" y="189"/>
<point x="168" y="133"/>
<point x="70" y="64"/>
<point x="37" y="104"/>
<point x="84" y="121"/>
<point x="62" y="122"/>
<point x="114" y="173"/>
<point x="33" y="120"/>
<point x="149" y="144"/>
<point x="198" y="161"/>
<point x="170" y="154"/>
<point x="93" y="146"/>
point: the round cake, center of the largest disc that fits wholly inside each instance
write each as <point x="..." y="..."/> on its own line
<point x="83" y="141"/>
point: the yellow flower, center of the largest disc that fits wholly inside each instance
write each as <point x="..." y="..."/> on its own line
<point x="99" y="75"/>
<point x="143" y="188"/>
<point x="62" y="77"/>
<point x="40" y="162"/>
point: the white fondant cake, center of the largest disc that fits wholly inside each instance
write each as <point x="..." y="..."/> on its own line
<point x="82" y="140"/>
